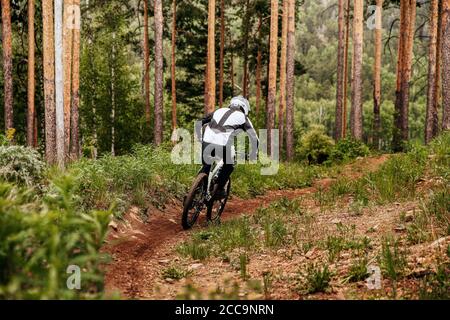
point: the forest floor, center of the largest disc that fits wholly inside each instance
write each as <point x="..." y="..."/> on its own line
<point x="147" y="262"/>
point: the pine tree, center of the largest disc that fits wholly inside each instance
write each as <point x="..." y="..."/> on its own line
<point x="49" y="81"/>
<point x="159" y="103"/>
<point x="377" y="75"/>
<point x="356" y="117"/>
<point x="290" y="82"/>
<point x="431" y="122"/>
<point x="7" y="63"/>
<point x="31" y="88"/>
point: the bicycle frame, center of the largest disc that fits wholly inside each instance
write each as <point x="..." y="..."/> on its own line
<point x="214" y="173"/>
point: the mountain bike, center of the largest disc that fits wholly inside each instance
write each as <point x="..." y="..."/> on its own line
<point x="202" y="195"/>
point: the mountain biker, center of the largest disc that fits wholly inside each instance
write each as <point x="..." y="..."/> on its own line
<point x="220" y="128"/>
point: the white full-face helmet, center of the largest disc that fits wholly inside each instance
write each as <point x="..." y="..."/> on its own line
<point x="242" y="103"/>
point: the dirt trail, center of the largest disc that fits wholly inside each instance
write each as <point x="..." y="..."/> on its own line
<point x="137" y="247"/>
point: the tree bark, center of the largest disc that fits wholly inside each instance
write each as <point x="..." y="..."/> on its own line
<point x="59" y="84"/>
<point x="74" y="121"/>
<point x="407" y="21"/>
<point x="159" y="103"/>
<point x="210" y="63"/>
<point x="340" y="71"/>
<point x="113" y="96"/>
<point x="173" y="65"/>
<point x="7" y="64"/>
<point x="246" y="34"/>
<point x="445" y="52"/>
<point x="222" y="46"/>
<point x="432" y="121"/>
<point x="49" y="81"/>
<point x="273" y="55"/>
<point x="31" y="111"/>
<point x="290" y="82"/>
<point x="258" y="68"/>
<point x="282" y="103"/>
<point x="377" y="74"/>
<point x="67" y="65"/>
<point x="146" y="68"/>
<point x="356" y="110"/>
<point x="347" y="36"/>
<point x="232" y="65"/>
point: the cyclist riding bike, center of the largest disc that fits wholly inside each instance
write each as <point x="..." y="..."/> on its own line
<point x="219" y="130"/>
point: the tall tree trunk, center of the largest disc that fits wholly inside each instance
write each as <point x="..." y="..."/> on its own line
<point x="210" y="96"/>
<point x="159" y="103"/>
<point x="407" y="21"/>
<point x="340" y="71"/>
<point x="446" y="64"/>
<point x="377" y="74"/>
<point x="246" y="35"/>
<point x="290" y="82"/>
<point x="232" y="65"/>
<point x="146" y="68"/>
<point x="113" y="95"/>
<point x="31" y="77"/>
<point x="273" y="55"/>
<point x="173" y="65"/>
<point x="258" y="68"/>
<point x="74" y="120"/>
<point x="59" y="83"/>
<point x="67" y="65"/>
<point x="7" y="64"/>
<point x="222" y="46"/>
<point x="432" y="120"/>
<point x="49" y="81"/>
<point x="356" y="111"/>
<point x="347" y="33"/>
<point x="282" y="103"/>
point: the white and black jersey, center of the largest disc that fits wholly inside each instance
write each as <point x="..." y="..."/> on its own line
<point x="223" y="124"/>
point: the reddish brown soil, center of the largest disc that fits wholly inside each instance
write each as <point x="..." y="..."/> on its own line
<point x="136" y="247"/>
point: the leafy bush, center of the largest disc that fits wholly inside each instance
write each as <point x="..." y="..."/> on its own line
<point x="20" y="165"/>
<point x="315" y="145"/>
<point x="41" y="238"/>
<point x="317" y="279"/>
<point x="348" y="149"/>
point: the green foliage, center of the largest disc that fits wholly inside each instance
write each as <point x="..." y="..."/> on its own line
<point x="393" y="260"/>
<point x="176" y="273"/>
<point x="41" y="238"/>
<point x="440" y="152"/>
<point x="347" y="149"/>
<point x="315" y="145"/>
<point x="21" y="165"/>
<point x="275" y="232"/>
<point x="196" y="249"/>
<point x="437" y="285"/>
<point x="358" y="270"/>
<point x="317" y="279"/>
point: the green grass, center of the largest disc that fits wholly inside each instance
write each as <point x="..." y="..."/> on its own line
<point x="175" y="272"/>
<point x="437" y="285"/>
<point x="358" y="270"/>
<point x="392" y="258"/>
<point x="316" y="279"/>
<point x="148" y="176"/>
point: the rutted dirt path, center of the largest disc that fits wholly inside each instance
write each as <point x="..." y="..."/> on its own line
<point x="137" y="247"/>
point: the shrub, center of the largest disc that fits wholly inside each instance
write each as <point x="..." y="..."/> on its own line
<point x="41" y="238"/>
<point x="317" y="279"/>
<point x="315" y="145"/>
<point x="348" y="149"/>
<point x="20" y="165"/>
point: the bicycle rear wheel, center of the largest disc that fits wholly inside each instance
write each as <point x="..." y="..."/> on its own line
<point x="217" y="206"/>
<point x="194" y="201"/>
